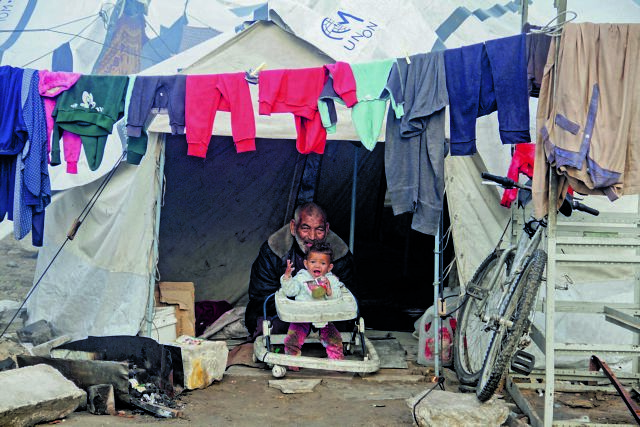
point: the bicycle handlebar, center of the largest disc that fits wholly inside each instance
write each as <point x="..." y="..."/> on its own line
<point x="503" y="181"/>
<point x="584" y="208"/>
<point x="508" y="183"/>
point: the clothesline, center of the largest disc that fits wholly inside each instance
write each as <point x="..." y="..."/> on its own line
<point x="82" y="109"/>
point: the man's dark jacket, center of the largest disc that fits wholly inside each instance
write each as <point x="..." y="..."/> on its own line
<point x="272" y="262"/>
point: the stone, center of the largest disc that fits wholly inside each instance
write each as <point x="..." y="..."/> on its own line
<point x="10" y="348"/>
<point x="7" y="364"/>
<point x="203" y="361"/>
<point x="8" y="310"/>
<point x="101" y="400"/>
<point x="36" y="394"/>
<point x="44" y="349"/>
<point x="447" y="409"/>
<point x="294" y="386"/>
<point x="36" y="333"/>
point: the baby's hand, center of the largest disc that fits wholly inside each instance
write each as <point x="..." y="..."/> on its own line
<point x="326" y="284"/>
<point x="290" y="268"/>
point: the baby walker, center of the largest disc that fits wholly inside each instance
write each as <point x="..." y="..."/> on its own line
<point x="319" y="313"/>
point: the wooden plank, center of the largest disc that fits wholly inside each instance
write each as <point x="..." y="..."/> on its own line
<point x="600" y="258"/>
<point x="622" y="319"/>
<point x="523" y="403"/>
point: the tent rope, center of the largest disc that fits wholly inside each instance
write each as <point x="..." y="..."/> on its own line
<point x="70" y="235"/>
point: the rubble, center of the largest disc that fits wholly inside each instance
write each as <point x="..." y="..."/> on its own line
<point x="446" y="409"/>
<point x="36" y="333"/>
<point x="101" y="400"/>
<point x="36" y="394"/>
<point x="203" y="361"/>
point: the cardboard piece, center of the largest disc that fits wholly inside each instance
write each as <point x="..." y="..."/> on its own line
<point x="182" y="295"/>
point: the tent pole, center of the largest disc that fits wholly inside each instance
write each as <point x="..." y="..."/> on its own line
<point x="436" y="298"/>
<point x="552" y="220"/>
<point x="352" y="224"/>
<point x="156" y="234"/>
<point x="524" y="13"/>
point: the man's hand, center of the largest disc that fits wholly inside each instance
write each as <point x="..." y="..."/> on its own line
<point x="290" y="268"/>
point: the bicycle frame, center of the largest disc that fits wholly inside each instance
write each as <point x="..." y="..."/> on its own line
<point x="524" y="248"/>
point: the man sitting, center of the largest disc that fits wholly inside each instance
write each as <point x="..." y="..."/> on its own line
<point x="291" y="242"/>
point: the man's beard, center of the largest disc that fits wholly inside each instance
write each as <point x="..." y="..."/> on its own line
<point x="301" y="244"/>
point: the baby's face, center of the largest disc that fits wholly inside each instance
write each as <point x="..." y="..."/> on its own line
<point x="318" y="264"/>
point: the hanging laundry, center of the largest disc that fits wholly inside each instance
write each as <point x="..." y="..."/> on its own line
<point x="521" y="163"/>
<point x="340" y="86"/>
<point x="150" y="95"/>
<point x="136" y="146"/>
<point x="32" y="184"/>
<point x="207" y="94"/>
<point x="589" y="128"/>
<point x="297" y="92"/>
<point x="415" y="145"/>
<point x="368" y="114"/>
<point x="13" y="134"/>
<point x="89" y="108"/>
<point x="52" y="84"/>
<point x="481" y="79"/>
<point x="537" y="46"/>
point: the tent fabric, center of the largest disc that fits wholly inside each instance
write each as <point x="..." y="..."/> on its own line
<point x="296" y="37"/>
<point x="99" y="283"/>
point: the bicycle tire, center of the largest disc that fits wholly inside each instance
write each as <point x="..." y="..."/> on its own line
<point x="505" y="341"/>
<point x="471" y="340"/>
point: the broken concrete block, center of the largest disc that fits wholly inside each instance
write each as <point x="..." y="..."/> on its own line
<point x="36" y="333"/>
<point x="447" y="409"/>
<point x="101" y="400"/>
<point x="8" y="310"/>
<point x="44" y="349"/>
<point x="36" y="394"/>
<point x="294" y="386"/>
<point x="7" y="364"/>
<point x="203" y="361"/>
<point x="10" y="348"/>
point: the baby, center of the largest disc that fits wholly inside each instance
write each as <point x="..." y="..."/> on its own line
<point x="315" y="282"/>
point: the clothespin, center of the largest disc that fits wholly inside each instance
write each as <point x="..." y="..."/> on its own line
<point x="406" y="56"/>
<point x="252" y="75"/>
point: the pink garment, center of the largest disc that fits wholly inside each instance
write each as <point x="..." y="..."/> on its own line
<point x="297" y="92"/>
<point x="210" y="93"/>
<point x="344" y="83"/>
<point x="329" y="337"/>
<point x="52" y="84"/>
<point x="522" y="162"/>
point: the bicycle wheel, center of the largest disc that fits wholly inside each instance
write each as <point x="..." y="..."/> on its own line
<point x="472" y="338"/>
<point x="518" y="311"/>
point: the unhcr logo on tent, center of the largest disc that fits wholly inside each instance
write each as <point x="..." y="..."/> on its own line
<point x="349" y="28"/>
<point x="6" y="8"/>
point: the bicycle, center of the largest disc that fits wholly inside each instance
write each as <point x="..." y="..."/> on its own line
<point x="495" y="315"/>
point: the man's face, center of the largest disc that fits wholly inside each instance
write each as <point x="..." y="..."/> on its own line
<point x="310" y="229"/>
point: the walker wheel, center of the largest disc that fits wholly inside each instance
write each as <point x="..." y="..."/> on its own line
<point x="278" y="371"/>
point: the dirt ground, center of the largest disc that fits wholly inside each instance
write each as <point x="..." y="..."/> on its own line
<point x="244" y="398"/>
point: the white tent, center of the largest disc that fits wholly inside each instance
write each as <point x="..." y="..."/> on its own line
<point x="100" y="282"/>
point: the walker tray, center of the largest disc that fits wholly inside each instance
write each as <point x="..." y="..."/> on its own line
<point x="317" y="311"/>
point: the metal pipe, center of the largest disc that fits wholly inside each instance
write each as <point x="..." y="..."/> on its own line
<point x="436" y="297"/>
<point x="352" y="224"/>
<point x="156" y="232"/>
<point x="550" y="305"/>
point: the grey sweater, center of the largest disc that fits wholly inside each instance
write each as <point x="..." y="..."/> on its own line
<point x="415" y="144"/>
